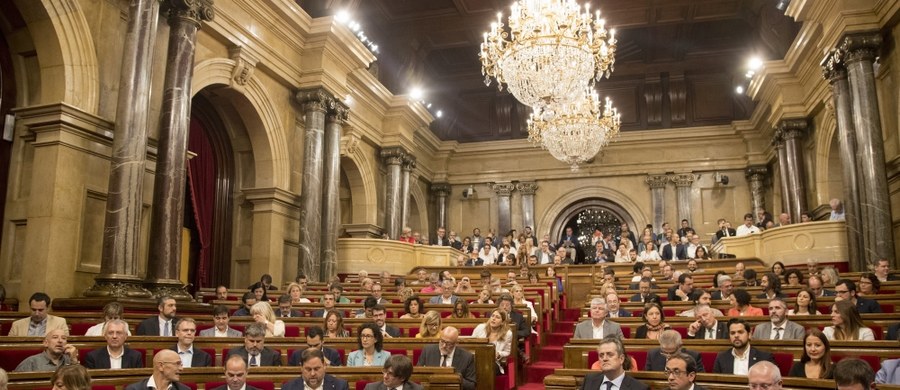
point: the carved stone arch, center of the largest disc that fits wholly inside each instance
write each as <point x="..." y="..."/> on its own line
<point x="827" y="149"/>
<point x="360" y="174"/>
<point x="554" y="218"/>
<point x="420" y="202"/>
<point x="264" y="129"/>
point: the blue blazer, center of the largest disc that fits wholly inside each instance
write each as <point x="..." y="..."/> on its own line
<point x="357" y="358"/>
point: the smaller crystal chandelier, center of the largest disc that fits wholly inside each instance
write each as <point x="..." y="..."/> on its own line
<point x="574" y="132"/>
<point x="550" y="52"/>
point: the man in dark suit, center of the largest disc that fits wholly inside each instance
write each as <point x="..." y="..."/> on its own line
<point x="441" y="238"/>
<point x="681" y="369"/>
<point x="739" y="333"/>
<point x="116" y="336"/>
<point x="166" y="373"/>
<point x="397" y="370"/>
<point x="328" y="301"/>
<point x="674" y="250"/>
<point x="846" y="289"/>
<point x="474" y="260"/>
<point x="612" y="357"/>
<point x="707" y="327"/>
<point x="315" y="339"/>
<point x="284" y="308"/>
<point x="248" y="300"/>
<point x="685" y="228"/>
<point x="446" y="354"/>
<point x="893" y="332"/>
<point x="725" y="230"/>
<point x="767" y="375"/>
<point x="669" y="346"/>
<point x="817" y="287"/>
<point x="162" y="324"/>
<point x="613" y="304"/>
<point x="235" y="375"/>
<point x="313" y="375"/>
<point x="190" y="357"/>
<point x="726" y="288"/>
<point x="255" y="352"/>
<point x="379" y="315"/>
<point x="644" y="295"/>
<point x="682" y="290"/>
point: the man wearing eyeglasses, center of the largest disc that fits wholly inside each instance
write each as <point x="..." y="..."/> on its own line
<point x="236" y="375"/>
<point x="611" y="354"/>
<point x="846" y="289"/>
<point x="446" y="354"/>
<point x="315" y="339"/>
<point x="669" y="346"/>
<point x="255" y="352"/>
<point x="397" y="370"/>
<point x="190" y="356"/>
<point x="166" y="373"/>
<point x="681" y="370"/>
<point x="764" y="376"/>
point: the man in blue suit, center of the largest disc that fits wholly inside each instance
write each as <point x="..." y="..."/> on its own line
<point x="313" y="375"/>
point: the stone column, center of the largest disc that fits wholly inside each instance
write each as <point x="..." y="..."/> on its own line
<point x="657" y="185"/>
<point x="167" y="218"/>
<point x="441" y="191"/>
<point x="315" y="103"/>
<point x="783" y="169"/>
<point x="504" y="203"/>
<point x="683" y="183"/>
<point x="124" y="201"/>
<point x="409" y="163"/>
<point x="792" y="133"/>
<point x="527" y="188"/>
<point x="756" y="177"/>
<point x="861" y="50"/>
<point x="392" y="157"/>
<point x="331" y="216"/>
<point x="836" y="74"/>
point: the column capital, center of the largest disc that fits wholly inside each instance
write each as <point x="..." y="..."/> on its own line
<point x="409" y="162"/>
<point x="193" y="11"/>
<point x="315" y="99"/>
<point x="657" y="181"/>
<point x="337" y="112"/>
<point x="682" y="179"/>
<point x="788" y="129"/>
<point x="861" y="46"/>
<point x="441" y="189"/>
<point x="834" y="66"/>
<point x="503" y="189"/>
<point x="393" y="155"/>
<point x="757" y="172"/>
<point x="527" y="187"/>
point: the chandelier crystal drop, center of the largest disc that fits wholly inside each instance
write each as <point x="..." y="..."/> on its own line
<point x="549" y="53"/>
<point x="574" y="132"/>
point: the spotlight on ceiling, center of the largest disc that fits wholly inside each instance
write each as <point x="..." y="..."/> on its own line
<point x="782" y="5"/>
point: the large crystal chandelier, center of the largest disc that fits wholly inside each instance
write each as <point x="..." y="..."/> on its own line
<point x="574" y="132"/>
<point x="550" y="52"/>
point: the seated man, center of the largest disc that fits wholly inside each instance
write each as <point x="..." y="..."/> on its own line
<point x="378" y="293"/>
<point x="742" y="356"/>
<point x="473" y="259"/>
<point x="221" y="319"/>
<point x="379" y="315"/>
<point x="613" y="304"/>
<point x="190" y="356"/>
<point x="726" y="288"/>
<point x="707" y="326"/>
<point x="611" y="353"/>
<point x="854" y="374"/>
<point x="682" y="290"/>
<point x="313" y="374"/>
<point x="700" y="297"/>
<point x="681" y="371"/>
<point x="764" y="375"/>
<point x="397" y="371"/>
<point x="883" y="271"/>
<point x="57" y="353"/>
<point x="284" y="309"/>
<point x="115" y="354"/>
<point x="779" y="327"/>
<point x="247" y="301"/>
<point x="337" y="289"/>
<point x="597" y="326"/>
<point x="40" y="323"/>
<point x="889" y="372"/>
<point x="315" y="339"/>
<point x="111" y="311"/>
<point x="846" y="289"/>
<point x="328" y="301"/>
<point x="645" y="295"/>
<point x="255" y="352"/>
<point x="368" y="304"/>
<point x="446" y="354"/>
<point x="221" y="293"/>
<point x="447" y="297"/>
<point x="166" y="373"/>
<point x="670" y="346"/>
<point x="265" y="281"/>
<point x="236" y="375"/>
<point x="162" y="324"/>
<point x="747" y="227"/>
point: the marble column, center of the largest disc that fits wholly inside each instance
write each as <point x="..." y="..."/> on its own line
<point x="167" y="217"/>
<point x="527" y="189"/>
<point x="861" y="50"/>
<point x="504" y="206"/>
<point x="783" y="169"/>
<point x="331" y="211"/>
<point x="683" y="183"/>
<point x="657" y="185"/>
<point x="792" y="131"/>
<point x="124" y="201"/>
<point x="315" y="103"/>
<point x="406" y="168"/>
<point x="756" y="178"/>
<point x="393" y="157"/>
<point x="836" y="74"/>
<point x="441" y="191"/>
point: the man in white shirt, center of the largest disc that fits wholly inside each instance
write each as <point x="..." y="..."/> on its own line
<point x="738" y="359"/>
<point x="597" y="326"/>
<point x="611" y="353"/>
<point x="487" y="252"/>
<point x="545" y="256"/>
<point x="747" y="228"/>
<point x="837" y="210"/>
<point x="166" y="373"/>
<point x="221" y="328"/>
<point x="190" y="356"/>
<point x="883" y="270"/>
<point x="115" y="354"/>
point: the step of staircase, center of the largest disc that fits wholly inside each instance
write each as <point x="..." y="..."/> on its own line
<point x="558" y="338"/>
<point x="551" y="353"/>
<point x="536" y="372"/>
<point x="564" y="327"/>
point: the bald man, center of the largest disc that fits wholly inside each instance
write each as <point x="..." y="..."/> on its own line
<point x="446" y="354"/>
<point x="166" y="372"/>
<point x="764" y="375"/>
<point x="57" y="353"/>
<point x="236" y="375"/>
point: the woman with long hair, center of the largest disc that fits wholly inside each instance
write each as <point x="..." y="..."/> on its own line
<point x="778" y="269"/>
<point x="829" y="276"/>
<point x="295" y="290"/>
<point x="334" y="325"/>
<point x="461" y="310"/>
<point x="868" y="285"/>
<point x="71" y="377"/>
<point x="771" y="285"/>
<point x="815" y="363"/>
<point x="263" y="314"/>
<point x="496" y="329"/>
<point x="702" y="254"/>
<point x="848" y="325"/>
<point x="793" y="277"/>
<point x="622" y="253"/>
<point x="654" y="322"/>
<point x="413" y="307"/>
<point x="740" y="305"/>
<point x="371" y="351"/>
<point x="518" y="293"/>
<point x="805" y="304"/>
<point x="484" y="297"/>
<point x="430" y="326"/>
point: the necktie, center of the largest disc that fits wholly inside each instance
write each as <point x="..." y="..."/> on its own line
<point x="443" y="360"/>
<point x="253" y="362"/>
<point x="709" y="334"/>
<point x="167" y="329"/>
<point x="608" y="384"/>
<point x="777" y="333"/>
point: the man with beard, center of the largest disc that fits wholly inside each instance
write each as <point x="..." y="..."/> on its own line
<point x="57" y="353"/>
<point x="779" y="328"/>
<point x="162" y="324"/>
<point x="611" y="353"/>
<point x="255" y="352"/>
<point x="738" y="359"/>
<point x="313" y="374"/>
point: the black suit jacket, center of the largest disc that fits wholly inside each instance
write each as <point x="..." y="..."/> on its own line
<point x="865" y="305"/>
<point x="893" y="332"/>
<point x="721" y="233"/>
<point x="445" y="243"/>
<point x="470" y="263"/>
<point x="294" y="313"/>
<point x="268" y="357"/>
<point x="594" y="380"/>
<point x="334" y="358"/>
<point x="523" y="329"/>
<point x="721" y="332"/>
<point x="717" y="295"/>
<point x="225" y="387"/>
<point x="671" y="293"/>
<point x="99" y="359"/>
<point x="329" y="383"/>
<point x="656" y="361"/>
<point x="725" y="360"/>
<point x="463" y="363"/>
<point x="637" y="298"/>
<point x="680" y="252"/>
<point x="142" y="385"/>
<point x="199" y="358"/>
<point x="150" y="327"/>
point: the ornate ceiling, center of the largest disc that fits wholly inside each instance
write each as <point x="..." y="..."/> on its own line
<point x="677" y="66"/>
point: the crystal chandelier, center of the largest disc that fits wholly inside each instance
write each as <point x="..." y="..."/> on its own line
<point x="574" y="132"/>
<point x="550" y="52"/>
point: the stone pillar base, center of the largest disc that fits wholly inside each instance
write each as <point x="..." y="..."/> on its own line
<point x="171" y="287"/>
<point x="117" y="286"/>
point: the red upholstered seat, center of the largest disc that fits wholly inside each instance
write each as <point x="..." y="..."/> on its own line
<point x="360" y="385"/>
<point x="669" y="312"/>
<point x="465" y="331"/>
<point x="709" y="360"/>
<point x="413" y="331"/>
<point x="878" y="330"/>
<point x="79" y="328"/>
<point x="292" y="331"/>
<point x="416" y="354"/>
<point x="397" y="351"/>
<point x="103" y="387"/>
<point x="681" y="330"/>
<point x="873" y="361"/>
<point x="887" y="308"/>
<point x="10" y="358"/>
<point x="765" y="311"/>
<point x="502" y="382"/>
<point x="627" y="332"/>
<point x="784" y="360"/>
<point x="640" y="357"/>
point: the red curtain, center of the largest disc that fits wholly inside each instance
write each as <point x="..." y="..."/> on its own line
<point x="202" y="182"/>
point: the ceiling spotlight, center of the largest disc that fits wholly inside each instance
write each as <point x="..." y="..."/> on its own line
<point x="342" y="16"/>
<point x="739" y="89"/>
<point x="416" y="93"/>
<point x="754" y="63"/>
<point x="439" y="113"/>
<point x="782" y="5"/>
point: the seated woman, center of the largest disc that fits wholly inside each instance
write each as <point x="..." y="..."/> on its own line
<point x="334" y="325"/>
<point x="112" y="311"/>
<point x="430" y="326"/>
<point x="497" y="331"/>
<point x="533" y="277"/>
<point x="815" y="363"/>
<point x="805" y="304"/>
<point x="465" y="286"/>
<point x="295" y="290"/>
<point x="771" y="285"/>
<point x="740" y="305"/>
<point x="461" y="310"/>
<point x="702" y="254"/>
<point x="259" y="290"/>
<point x="71" y="377"/>
<point x="793" y="278"/>
<point x="413" y="307"/>
<point x="518" y="293"/>
<point x="649" y="253"/>
<point x="484" y="297"/>
<point x="778" y="269"/>
<point x="830" y="276"/>
<point x="371" y="352"/>
<point x="263" y="314"/>
<point x="622" y="253"/>
<point x="654" y="322"/>
<point x="868" y="285"/>
<point x="848" y="325"/>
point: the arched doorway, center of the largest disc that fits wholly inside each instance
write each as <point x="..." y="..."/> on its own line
<point x="7" y="102"/>
<point x="585" y="215"/>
